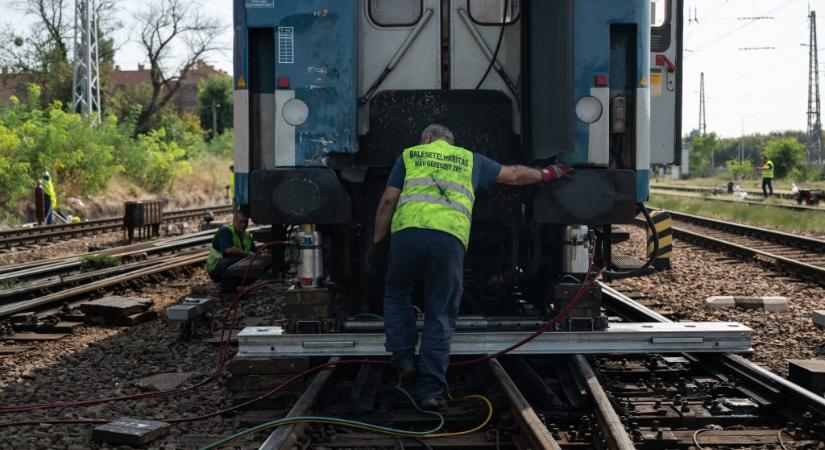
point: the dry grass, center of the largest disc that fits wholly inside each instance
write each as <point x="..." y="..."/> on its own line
<point x="755" y="184"/>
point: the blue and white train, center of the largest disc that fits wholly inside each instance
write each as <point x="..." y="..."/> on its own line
<point x="329" y="92"/>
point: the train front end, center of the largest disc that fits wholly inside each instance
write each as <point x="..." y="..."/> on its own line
<point x="329" y="93"/>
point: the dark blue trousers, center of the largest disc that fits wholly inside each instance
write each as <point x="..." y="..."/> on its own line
<point x="437" y="259"/>
<point x="227" y="282"/>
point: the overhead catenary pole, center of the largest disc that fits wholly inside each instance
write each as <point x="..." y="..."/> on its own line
<point x="703" y="124"/>
<point x="813" y="142"/>
<point x="86" y="64"/>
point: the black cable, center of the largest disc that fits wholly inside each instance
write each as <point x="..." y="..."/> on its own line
<point x="498" y="45"/>
<point x="653" y="255"/>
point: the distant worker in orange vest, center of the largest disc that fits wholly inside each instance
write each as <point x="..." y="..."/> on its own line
<point x="49" y="197"/>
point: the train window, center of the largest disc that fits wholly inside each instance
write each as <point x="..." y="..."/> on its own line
<point x="659" y="15"/>
<point x="395" y="13"/>
<point x="488" y="12"/>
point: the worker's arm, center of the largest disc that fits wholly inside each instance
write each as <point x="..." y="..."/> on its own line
<point x="520" y="175"/>
<point x="386" y="209"/>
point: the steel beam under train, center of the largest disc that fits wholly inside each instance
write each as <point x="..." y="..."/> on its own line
<point x="677" y="337"/>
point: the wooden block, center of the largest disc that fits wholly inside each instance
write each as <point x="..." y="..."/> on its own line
<point x="33" y="337"/>
<point x="21" y="317"/>
<point x="14" y="349"/>
<point x="59" y="327"/>
<point x="267" y="365"/>
<point x="116" y="306"/>
<point x="126" y="431"/>
<point x="262" y="383"/>
<point x="126" y="321"/>
<point x="808" y="373"/>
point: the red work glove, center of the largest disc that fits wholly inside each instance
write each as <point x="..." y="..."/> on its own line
<point x="555" y="172"/>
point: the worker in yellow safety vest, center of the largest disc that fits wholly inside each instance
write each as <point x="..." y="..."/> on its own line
<point x="766" y="167"/>
<point x="49" y="197"/>
<point x="231" y="244"/>
<point x="427" y="208"/>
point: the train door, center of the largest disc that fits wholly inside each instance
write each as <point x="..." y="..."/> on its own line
<point x="398" y="48"/>
<point x="480" y="29"/>
<point x="666" y="81"/>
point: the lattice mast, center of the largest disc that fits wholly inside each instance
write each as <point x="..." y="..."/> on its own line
<point x="86" y="65"/>
<point x="814" y="134"/>
<point x="703" y="123"/>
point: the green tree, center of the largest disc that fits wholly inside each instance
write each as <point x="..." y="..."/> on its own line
<point x="216" y="92"/>
<point x="701" y="154"/>
<point x="786" y="154"/>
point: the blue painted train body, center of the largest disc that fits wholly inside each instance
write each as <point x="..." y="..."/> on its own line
<point x="329" y="92"/>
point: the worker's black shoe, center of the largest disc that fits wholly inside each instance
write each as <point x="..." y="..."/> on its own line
<point x="406" y="374"/>
<point x="433" y="404"/>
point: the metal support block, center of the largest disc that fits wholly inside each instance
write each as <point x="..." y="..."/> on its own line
<point x="189" y="308"/>
<point x="675" y="337"/>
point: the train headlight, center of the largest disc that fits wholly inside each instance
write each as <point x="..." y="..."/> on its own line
<point x="589" y="109"/>
<point x="295" y="112"/>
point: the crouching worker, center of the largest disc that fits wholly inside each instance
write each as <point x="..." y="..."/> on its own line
<point x="231" y="244"/>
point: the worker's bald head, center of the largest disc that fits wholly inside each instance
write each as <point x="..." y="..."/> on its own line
<point x="435" y="132"/>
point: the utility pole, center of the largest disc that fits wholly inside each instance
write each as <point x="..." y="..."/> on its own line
<point x="814" y="136"/>
<point x="86" y="68"/>
<point x="214" y="119"/>
<point x="703" y="124"/>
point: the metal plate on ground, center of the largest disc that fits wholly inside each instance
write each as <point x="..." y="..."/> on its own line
<point x="675" y="337"/>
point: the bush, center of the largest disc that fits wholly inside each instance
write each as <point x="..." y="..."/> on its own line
<point x="740" y="170"/>
<point x="223" y="145"/>
<point x="786" y="155"/>
<point x="806" y="172"/>
<point x="154" y="163"/>
<point x="97" y="262"/>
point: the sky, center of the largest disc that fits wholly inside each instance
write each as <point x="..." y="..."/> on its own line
<point x="753" y="53"/>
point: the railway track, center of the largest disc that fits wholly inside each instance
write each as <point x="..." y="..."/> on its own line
<point x="717" y="190"/>
<point x="24" y="236"/>
<point x="800" y="256"/>
<point x="672" y="191"/>
<point x="651" y="401"/>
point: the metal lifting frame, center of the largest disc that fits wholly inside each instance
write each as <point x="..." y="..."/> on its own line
<point x="676" y="337"/>
<point x="86" y="65"/>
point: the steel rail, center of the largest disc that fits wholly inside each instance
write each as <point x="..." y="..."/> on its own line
<point x="792" y="394"/>
<point x="60" y="265"/>
<point x="536" y="433"/>
<point x="779" y="237"/>
<point x="796" y="267"/>
<point x="174" y="262"/>
<point x="286" y="437"/>
<point x="18" y="236"/>
<point x="813" y="248"/>
<point x="675" y="193"/>
<point x="711" y="190"/>
<point x="610" y="423"/>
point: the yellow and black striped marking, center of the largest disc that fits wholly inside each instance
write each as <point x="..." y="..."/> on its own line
<point x="663" y="224"/>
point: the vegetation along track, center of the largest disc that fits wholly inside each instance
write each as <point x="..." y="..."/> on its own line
<point x="648" y="401"/>
<point x="22" y="236"/>
<point x="801" y="256"/>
